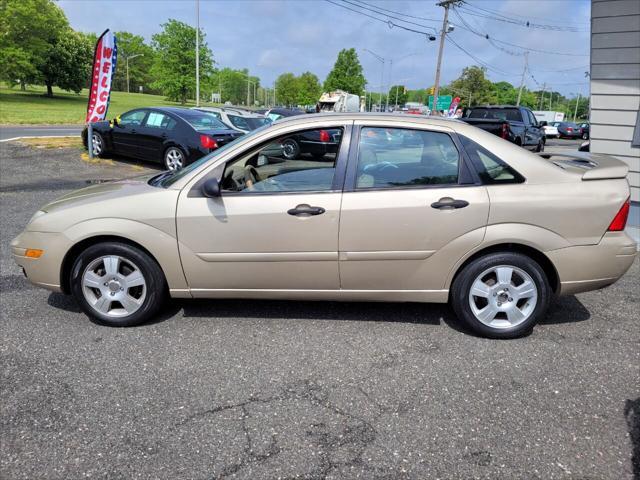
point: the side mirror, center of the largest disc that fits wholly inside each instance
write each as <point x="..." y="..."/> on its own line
<point x="543" y="123"/>
<point x="211" y="188"/>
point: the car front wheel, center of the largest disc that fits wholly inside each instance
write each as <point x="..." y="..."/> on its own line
<point x="97" y="143"/>
<point x="501" y="295"/>
<point x="117" y="284"/>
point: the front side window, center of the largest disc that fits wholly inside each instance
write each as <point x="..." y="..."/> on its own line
<point x="296" y="162"/>
<point x="132" y="118"/>
<point x="394" y="157"/>
<point x="491" y="169"/>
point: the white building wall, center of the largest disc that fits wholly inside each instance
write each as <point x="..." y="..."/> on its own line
<point x="615" y="82"/>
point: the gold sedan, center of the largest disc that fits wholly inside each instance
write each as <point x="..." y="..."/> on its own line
<point x="352" y="207"/>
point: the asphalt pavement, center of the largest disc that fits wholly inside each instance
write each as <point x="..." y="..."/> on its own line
<point x="307" y="390"/>
<point x="8" y="132"/>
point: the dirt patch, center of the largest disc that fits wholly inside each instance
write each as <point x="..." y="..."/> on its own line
<point x="53" y="142"/>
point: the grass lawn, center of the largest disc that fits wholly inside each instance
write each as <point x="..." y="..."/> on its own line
<point x="32" y="107"/>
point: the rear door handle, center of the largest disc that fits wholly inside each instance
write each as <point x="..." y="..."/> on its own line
<point x="448" y="203"/>
<point x="304" y="210"/>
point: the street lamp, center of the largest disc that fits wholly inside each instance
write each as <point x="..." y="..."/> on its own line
<point x="129" y="58"/>
<point x="391" y="75"/>
<point x="381" y="60"/>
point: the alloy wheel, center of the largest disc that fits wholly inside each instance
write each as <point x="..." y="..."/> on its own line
<point x="114" y="286"/>
<point x="503" y="296"/>
<point x="174" y="159"/>
<point x="96" y="144"/>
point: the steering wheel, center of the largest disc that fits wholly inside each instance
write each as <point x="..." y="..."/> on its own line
<point x="251" y="176"/>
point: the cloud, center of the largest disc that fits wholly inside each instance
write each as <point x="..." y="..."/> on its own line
<point x="272" y="58"/>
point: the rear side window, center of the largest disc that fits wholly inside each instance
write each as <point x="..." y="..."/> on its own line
<point x="491" y="169"/>
<point x="400" y="158"/>
<point x="504" y="114"/>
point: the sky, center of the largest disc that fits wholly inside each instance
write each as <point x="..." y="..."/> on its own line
<point x="270" y="37"/>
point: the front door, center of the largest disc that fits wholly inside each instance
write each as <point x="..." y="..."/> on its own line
<point x="412" y="210"/>
<point x="153" y="134"/>
<point x="274" y="227"/>
<point x="124" y="134"/>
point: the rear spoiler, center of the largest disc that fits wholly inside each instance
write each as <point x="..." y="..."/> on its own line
<point x="595" y="166"/>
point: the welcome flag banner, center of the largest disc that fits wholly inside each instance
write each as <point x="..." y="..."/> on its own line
<point x="104" y="67"/>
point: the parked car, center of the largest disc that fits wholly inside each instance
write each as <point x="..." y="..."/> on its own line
<point x="550" y="131"/>
<point x="515" y="124"/>
<point x="584" y="130"/>
<point x="568" y="130"/>
<point x="237" y="119"/>
<point x="278" y="113"/>
<point x="174" y="136"/>
<point x="453" y="214"/>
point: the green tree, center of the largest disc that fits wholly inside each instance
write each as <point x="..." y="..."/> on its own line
<point x="130" y="45"/>
<point x="309" y="89"/>
<point x="174" y="67"/>
<point x="398" y="92"/>
<point x="473" y="87"/>
<point x="346" y="74"/>
<point x="67" y="63"/>
<point x="287" y="89"/>
<point x="28" y="30"/>
<point x="419" y="96"/>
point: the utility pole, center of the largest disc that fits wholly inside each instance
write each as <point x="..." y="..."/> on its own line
<point x="129" y="58"/>
<point x="524" y="72"/>
<point x="197" y="53"/>
<point x="575" y="112"/>
<point x="382" y="61"/>
<point x="445" y="29"/>
<point x="386" y="108"/>
<point x="544" y="86"/>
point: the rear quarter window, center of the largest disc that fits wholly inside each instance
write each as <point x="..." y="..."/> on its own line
<point x="491" y="169"/>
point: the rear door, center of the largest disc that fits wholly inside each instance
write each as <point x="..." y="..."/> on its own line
<point x="411" y="208"/>
<point x="153" y="134"/>
<point x="125" y="133"/>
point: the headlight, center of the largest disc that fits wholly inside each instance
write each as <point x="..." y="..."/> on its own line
<point x="39" y="213"/>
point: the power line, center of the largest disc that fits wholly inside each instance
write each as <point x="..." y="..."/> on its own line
<point x="400" y="13"/>
<point x="482" y="62"/>
<point x="523" y="23"/>
<point x="525" y="17"/>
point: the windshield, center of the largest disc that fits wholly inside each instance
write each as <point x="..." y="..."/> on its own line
<point x="247" y="123"/>
<point x="202" y="120"/>
<point x="169" y="178"/>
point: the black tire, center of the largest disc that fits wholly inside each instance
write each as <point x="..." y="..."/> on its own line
<point x="540" y="147"/>
<point x="585" y="136"/>
<point x="101" y="146"/>
<point x="290" y="149"/>
<point x="156" y="286"/>
<point x="170" y="157"/>
<point x="459" y="298"/>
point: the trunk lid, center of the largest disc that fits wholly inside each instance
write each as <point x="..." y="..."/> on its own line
<point x="589" y="165"/>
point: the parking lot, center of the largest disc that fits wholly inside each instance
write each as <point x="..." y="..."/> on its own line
<point x="269" y="389"/>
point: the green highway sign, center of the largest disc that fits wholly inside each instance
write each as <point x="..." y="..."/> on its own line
<point x="443" y="102"/>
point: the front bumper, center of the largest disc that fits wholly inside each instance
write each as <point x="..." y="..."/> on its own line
<point x="43" y="271"/>
<point x="589" y="267"/>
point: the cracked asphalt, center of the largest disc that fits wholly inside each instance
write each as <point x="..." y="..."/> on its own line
<point x="302" y="390"/>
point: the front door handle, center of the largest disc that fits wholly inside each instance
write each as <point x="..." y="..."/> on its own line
<point x="448" y="203"/>
<point x="304" y="210"/>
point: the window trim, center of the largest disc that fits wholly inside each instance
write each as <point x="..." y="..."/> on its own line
<point x="479" y="167"/>
<point x="338" y="176"/>
<point x="467" y="177"/>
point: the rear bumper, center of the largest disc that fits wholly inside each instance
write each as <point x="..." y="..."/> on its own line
<point x="589" y="267"/>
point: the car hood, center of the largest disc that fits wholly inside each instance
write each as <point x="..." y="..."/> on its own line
<point x="131" y="199"/>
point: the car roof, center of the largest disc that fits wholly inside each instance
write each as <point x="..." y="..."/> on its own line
<point x="428" y="120"/>
<point x="235" y="111"/>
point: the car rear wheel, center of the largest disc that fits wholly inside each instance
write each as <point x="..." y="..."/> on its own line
<point x="174" y="159"/>
<point x="540" y="147"/>
<point x="117" y="284"/>
<point x="501" y="295"/>
<point x="585" y="136"/>
<point x="290" y="149"/>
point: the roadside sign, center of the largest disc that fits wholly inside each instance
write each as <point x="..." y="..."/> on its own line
<point x="443" y="102"/>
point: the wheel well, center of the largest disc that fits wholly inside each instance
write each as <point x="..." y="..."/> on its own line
<point x="537" y="255"/>
<point x="69" y="258"/>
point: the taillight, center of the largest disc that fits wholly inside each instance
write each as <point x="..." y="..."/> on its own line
<point x="324" y="136"/>
<point x="207" y="142"/>
<point x="620" y="220"/>
<point x="504" y="133"/>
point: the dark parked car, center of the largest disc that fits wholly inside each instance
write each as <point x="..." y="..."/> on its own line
<point x="316" y="143"/>
<point x="278" y="113"/>
<point x="516" y="124"/>
<point x="568" y="130"/>
<point x="171" y="135"/>
<point x="584" y="130"/>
